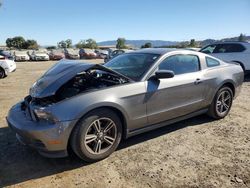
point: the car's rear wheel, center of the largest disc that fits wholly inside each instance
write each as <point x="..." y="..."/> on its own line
<point x="222" y="103"/>
<point x="2" y="73"/>
<point x="96" y="135"/>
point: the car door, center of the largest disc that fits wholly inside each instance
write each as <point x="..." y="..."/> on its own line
<point x="177" y="96"/>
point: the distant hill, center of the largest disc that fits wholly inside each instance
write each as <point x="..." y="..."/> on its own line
<point x="235" y="39"/>
<point x="139" y="43"/>
<point x="157" y="43"/>
<point x="210" y="41"/>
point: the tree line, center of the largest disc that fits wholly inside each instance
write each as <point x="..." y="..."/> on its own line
<point x="19" y="42"/>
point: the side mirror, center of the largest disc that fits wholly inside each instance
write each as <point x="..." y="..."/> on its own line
<point x="163" y="74"/>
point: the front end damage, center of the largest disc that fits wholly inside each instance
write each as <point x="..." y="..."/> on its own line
<point x="33" y="119"/>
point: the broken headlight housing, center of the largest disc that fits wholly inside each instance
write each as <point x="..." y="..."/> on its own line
<point x="43" y="115"/>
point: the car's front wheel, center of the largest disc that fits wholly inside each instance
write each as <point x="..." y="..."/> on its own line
<point x="222" y="103"/>
<point x="2" y="73"/>
<point x="96" y="135"/>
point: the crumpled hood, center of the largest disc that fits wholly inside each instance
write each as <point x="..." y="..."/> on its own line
<point x="59" y="74"/>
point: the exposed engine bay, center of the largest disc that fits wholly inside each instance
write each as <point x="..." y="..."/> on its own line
<point x="86" y="81"/>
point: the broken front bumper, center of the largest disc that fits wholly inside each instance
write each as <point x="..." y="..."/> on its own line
<point x="50" y="140"/>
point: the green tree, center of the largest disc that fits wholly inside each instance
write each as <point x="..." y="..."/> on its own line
<point x="20" y="43"/>
<point x="81" y="44"/>
<point x="62" y="44"/>
<point x="9" y="42"/>
<point x="89" y="43"/>
<point x="120" y="43"/>
<point x="65" y="44"/>
<point x="242" y="38"/>
<point x="147" y="45"/>
<point x="16" y="42"/>
<point x="69" y="43"/>
<point x="192" y="43"/>
<point x="30" y="44"/>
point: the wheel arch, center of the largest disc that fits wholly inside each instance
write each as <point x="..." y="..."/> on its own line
<point x="228" y="83"/>
<point x="5" y="72"/>
<point x="117" y="110"/>
<point x="120" y="114"/>
<point x="241" y="64"/>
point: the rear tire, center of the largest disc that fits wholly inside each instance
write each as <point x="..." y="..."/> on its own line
<point x="96" y="135"/>
<point x="221" y="104"/>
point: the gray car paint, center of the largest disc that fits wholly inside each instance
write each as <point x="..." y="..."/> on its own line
<point x="144" y="105"/>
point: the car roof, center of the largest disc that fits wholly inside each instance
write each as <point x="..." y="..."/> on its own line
<point x="161" y="51"/>
<point x="230" y="42"/>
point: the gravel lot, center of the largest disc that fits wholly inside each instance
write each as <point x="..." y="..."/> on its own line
<point x="198" y="152"/>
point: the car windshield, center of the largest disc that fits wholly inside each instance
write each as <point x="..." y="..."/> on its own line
<point x="132" y="65"/>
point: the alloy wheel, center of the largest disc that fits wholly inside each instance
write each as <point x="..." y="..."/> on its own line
<point x="224" y="102"/>
<point x="100" y="136"/>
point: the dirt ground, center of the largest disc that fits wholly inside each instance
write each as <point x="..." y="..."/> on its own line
<point x="198" y="152"/>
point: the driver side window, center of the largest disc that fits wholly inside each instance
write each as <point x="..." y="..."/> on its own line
<point x="181" y="64"/>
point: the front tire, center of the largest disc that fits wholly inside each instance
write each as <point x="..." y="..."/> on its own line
<point x="221" y="104"/>
<point x="96" y="135"/>
<point x="2" y="73"/>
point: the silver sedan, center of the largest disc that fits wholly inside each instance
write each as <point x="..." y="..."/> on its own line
<point x="91" y="107"/>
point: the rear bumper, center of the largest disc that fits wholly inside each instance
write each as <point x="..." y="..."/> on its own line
<point x="49" y="139"/>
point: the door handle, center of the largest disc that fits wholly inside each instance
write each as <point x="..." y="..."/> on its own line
<point x="198" y="81"/>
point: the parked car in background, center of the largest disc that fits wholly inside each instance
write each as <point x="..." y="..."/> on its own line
<point x="90" y="107"/>
<point x="116" y="53"/>
<point x="102" y="54"/>
<point x="21" y="56"/>
<point x="86" y="53"/>
<point x="71" y="53"/>
<point x="238" y="52"/>
<point x="6" y="55"/>
<point x="7" y="64"/>
<point x="56" y="54"/>
<point x="39" y="55"/>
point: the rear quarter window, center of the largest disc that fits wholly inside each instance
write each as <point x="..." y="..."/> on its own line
<point x="212" y="62"/>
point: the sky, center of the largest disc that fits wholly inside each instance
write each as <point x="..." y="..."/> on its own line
<point x="50" y="21"/>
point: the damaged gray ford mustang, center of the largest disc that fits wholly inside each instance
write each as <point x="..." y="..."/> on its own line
<point x="91" y="107"/>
